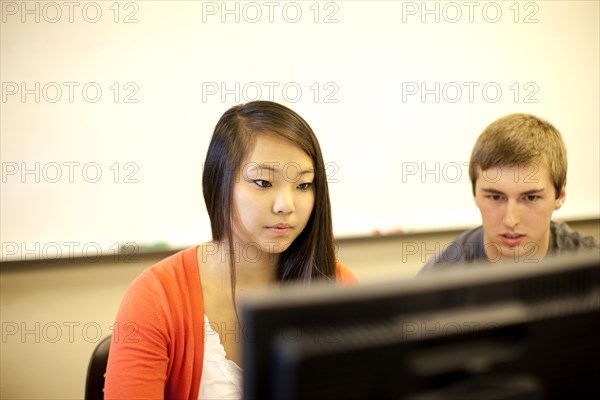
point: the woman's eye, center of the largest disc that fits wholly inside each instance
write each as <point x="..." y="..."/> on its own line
<point x="305" y="186"/>
<point x="262" y="183"/>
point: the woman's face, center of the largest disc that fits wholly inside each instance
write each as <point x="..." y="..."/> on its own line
<point x="273" y="195"/>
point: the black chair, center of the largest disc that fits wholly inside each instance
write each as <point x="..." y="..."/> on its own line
<point x="94" y="384"/>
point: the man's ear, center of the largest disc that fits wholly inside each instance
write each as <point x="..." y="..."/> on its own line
<point x="560" y="200"/>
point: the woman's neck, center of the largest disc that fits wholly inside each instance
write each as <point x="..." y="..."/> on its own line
<point x="253" y="267"/>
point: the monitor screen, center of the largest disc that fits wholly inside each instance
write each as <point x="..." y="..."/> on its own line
<point x="492" y="331"/>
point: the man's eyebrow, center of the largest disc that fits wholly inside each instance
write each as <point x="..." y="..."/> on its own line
<point x="491" y="191"/>
<point x="532" y="191"/>
<point x="528" y="192"/>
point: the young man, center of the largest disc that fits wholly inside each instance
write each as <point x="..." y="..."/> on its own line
<point x="518" y="172"/>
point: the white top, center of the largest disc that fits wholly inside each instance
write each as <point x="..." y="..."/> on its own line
<point x="221" y="378"/>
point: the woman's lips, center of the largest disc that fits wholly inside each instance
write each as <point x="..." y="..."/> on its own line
<point x="280" y="229"/>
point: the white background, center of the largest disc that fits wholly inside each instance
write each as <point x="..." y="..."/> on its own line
<point x="396" y="91"/>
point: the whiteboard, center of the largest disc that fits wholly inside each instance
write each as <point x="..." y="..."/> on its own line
<point x="108" y="107"/>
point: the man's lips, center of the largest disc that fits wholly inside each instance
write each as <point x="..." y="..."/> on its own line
<point x="512" y="239"/>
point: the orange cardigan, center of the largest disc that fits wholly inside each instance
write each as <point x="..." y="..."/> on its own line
<point x="157" y="349"/>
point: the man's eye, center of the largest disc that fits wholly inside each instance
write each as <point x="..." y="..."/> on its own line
<point x="532" y="197"/>
<point x="495" y="197"/>
<point x="262" y="183"/>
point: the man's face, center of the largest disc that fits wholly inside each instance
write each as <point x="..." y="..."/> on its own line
<point x="516" y="205"/>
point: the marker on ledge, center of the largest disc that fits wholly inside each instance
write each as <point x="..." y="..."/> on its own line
<point x="393" y="231"/>
<point x="146" y="247"/>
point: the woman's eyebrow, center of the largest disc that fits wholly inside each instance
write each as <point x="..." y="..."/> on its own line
<point x="274" y="167"/>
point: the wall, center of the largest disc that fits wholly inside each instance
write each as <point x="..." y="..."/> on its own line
<point x="53" y="314"/>
<point x="106" y="118"/>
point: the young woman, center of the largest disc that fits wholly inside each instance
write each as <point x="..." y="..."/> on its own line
<point x="177" y="333"/>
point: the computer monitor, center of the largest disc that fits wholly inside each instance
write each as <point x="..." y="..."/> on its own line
<point x="495" y="331"/>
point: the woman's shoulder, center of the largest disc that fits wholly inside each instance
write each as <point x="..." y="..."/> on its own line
<point x="177" y="273"/>
<point x="343" y="274"/>
<point x="175" y="268"/>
